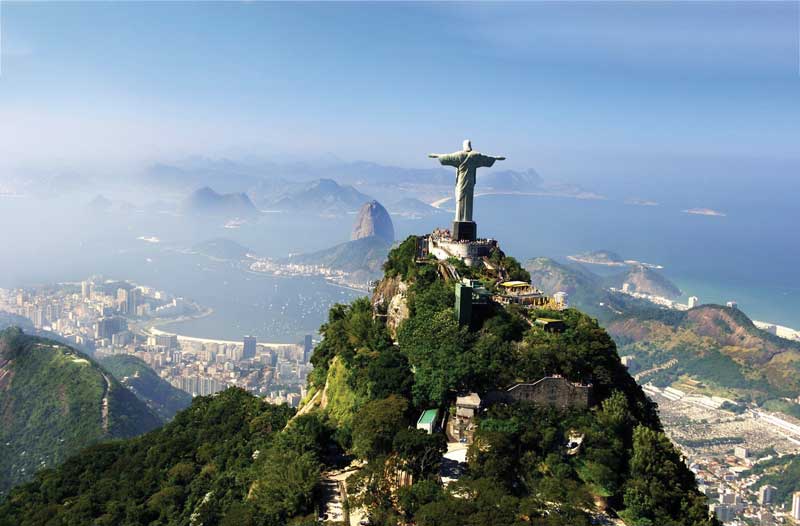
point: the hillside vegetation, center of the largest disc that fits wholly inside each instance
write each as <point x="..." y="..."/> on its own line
<point x="222" y="461"/>
<point x="362" y="257"/>
<point x="518" y="471"/>
<point x="55" y="401"/>
<point x="717" y="344"/>
<point x="233" y="460"/>
<point x="161" y="397"/>
<point x="647" y="281"/>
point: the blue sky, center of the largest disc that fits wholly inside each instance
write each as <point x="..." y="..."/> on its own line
<point x="573" y="86"/>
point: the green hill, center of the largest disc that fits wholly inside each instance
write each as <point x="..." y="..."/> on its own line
<point x="217" y="462"/>
<point x="55" y="401"/>
<point x="586" y="289"/>
<point x="161" y="397"/>
<point x="647" y="281"/>
<point x="363" y="256"/>
<point x="231" y="459"/>
<point x="717" y="345"/>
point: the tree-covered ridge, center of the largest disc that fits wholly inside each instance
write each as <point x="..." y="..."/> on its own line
<point x="55" y="401"/>
<point x="231" y="459"/>
<point x="224" y="460"/>
<point x="718" y="345"/>
<point x="519" y="471"/>
<point x="164" y="399"/>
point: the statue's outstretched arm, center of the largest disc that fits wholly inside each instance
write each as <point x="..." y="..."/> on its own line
<point x="435" y="155"/>
<point x="499" y="158"/>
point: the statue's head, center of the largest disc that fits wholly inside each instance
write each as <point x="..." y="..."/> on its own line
<point x="467" y="145"/>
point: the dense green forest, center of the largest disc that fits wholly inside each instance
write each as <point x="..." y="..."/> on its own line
<point x="222" y="461"/>
<point x="232" y="459"/>
<point x="51" y="402"/>
<point x="783" y="473"/>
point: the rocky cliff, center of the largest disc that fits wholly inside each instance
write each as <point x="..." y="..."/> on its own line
<point x="373" y="220"/>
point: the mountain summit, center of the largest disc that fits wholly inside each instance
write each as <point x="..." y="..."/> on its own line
<point x="373" y="220"/>
<point x="456" y="395"/>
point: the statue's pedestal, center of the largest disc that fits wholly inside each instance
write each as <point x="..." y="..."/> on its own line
<point x="464" y="231"/>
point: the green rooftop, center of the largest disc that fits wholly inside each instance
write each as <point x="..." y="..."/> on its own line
<point x="427" y="417"/>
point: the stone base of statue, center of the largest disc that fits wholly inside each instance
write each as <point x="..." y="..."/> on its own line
<point x="464" y="231"/>
<point x="443" y="245"/>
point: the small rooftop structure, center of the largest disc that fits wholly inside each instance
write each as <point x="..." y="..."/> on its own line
<point x="463" y="425"/>
<point x="520" y="292"/>
<point x="551" y="324"/>
<point x="515" y="285"/>
<point x="467" y="406"/>
<point x="472" y="400"/>
<point x="427" y="420"/>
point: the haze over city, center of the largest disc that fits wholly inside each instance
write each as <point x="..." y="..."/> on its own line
<point x="340" y="263"/>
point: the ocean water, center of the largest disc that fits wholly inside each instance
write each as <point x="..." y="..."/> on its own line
<point x="750" y="255"/>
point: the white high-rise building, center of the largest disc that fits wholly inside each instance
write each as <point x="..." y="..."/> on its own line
<point x="796" y="505"/>
<point x="694" y="301"/>
<point x="766" y="494"/>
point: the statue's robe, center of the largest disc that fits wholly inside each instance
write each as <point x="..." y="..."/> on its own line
<point x="467" y="163"/>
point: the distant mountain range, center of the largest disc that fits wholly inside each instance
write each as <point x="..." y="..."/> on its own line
<point x="509" y="180"/>
<point x="323" y="196"/>
<point x="55" y="401"/>
<point x="412" y="208"/>
<point x="207" y="202"/>
<point x="290" y="185"/>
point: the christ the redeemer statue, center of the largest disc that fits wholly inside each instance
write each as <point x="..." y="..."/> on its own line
<point x="467" y="162"/>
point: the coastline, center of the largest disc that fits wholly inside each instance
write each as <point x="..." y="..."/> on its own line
<point x="196" y="339"/>
<point x="781" y="331"/>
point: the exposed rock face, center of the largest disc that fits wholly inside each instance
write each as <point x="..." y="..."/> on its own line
<point x="373" y="220"/>
<point x="390" y="297"/>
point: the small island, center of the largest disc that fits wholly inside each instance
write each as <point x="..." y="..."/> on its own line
<point x="704" y="212"/>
